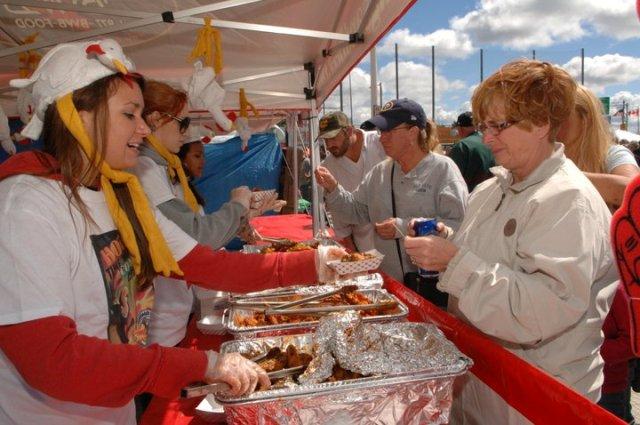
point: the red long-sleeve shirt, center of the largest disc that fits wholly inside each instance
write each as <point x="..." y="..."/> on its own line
<point x="616" y="348"/>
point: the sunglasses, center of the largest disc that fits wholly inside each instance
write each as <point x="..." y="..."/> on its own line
<point x="183" y="122"/>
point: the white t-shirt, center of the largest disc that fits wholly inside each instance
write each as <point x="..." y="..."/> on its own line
<point x="174" y="299"/>
<point x="349" y="174"/>
<point x="618" y="155"/>
<point x="54" y="262"/>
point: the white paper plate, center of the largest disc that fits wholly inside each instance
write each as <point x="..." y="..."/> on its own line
<point x="261" y="194"/>
<point x="346" y="267"/>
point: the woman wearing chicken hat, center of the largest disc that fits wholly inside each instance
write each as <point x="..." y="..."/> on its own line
<point x="76" y="231"/>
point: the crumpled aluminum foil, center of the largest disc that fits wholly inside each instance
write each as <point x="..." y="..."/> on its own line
<point x="375" y="349"/>
<point x="419" y="392"/>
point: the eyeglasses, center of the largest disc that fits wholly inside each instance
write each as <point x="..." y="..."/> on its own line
<point x="183" y="122"/>
<point x="495" y="128"/>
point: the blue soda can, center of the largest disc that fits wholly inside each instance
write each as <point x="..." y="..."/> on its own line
<point x="425" y="227"/>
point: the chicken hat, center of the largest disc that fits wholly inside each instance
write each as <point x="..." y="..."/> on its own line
<point x="69" y="67"/>
<point x="66" y="68"/>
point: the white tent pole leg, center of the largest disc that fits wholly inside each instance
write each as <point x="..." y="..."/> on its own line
<point x="292" y="142"/>
<point x="374" y="81"/>
<point x="319" y="225"/>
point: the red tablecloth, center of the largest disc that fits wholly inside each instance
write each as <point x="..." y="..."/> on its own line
<point x="531" y="391"/>
<point x="297" y="227"/>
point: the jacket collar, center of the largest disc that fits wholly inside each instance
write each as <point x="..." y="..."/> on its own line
<point x="149" y="152"/>
<point x="545" y="170"/>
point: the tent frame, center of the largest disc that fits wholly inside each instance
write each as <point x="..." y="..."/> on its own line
<point x="184" y="16"/>
<point x="335" y="41"/>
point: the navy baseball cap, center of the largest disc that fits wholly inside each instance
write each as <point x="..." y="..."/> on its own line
<point x="465" y="119"/>
<point x="396" y="112"/>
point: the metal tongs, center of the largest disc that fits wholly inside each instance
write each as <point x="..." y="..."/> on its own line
<point x="271" y="239"/>
<point x="332" y="308"/>
<point x="279" y="309"/>
<point x="285" y="309"/>
<point x="200" y="389"/>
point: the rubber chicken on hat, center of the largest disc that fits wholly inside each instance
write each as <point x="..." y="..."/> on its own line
<point x="72" y="66"/>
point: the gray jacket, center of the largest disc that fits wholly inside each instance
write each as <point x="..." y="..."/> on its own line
<point x="215" y="229"/>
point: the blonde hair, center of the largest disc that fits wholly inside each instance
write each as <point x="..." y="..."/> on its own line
<point x="428" y="137"/>
<point x="588" y="147"/>
<point x="533" y="92"/>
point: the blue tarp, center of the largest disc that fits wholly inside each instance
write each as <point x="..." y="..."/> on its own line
<point x="227" y="167"/>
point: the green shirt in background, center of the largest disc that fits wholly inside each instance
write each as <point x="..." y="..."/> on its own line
<point x="473" y="158"/>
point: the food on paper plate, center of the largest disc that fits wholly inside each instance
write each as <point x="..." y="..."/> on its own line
<point x="356" y="256"/>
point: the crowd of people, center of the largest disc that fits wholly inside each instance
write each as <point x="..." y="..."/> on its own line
<point x="523" y="249"/>
<point x="103" y="237"/>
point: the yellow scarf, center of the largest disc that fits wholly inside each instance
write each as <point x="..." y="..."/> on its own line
<point x="163" y="261"/>
<point x="175" y="168"/>
<point x="208" y="36"/>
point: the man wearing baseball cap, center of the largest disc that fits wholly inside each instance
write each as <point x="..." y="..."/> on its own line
<point x="353" y="152"/>
<point x="471" y="155"/>
<point x="413" y="182"/>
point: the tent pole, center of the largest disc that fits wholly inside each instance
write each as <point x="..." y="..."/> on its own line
<point x="374" y="81"/>
<point x="275" y="29"/>
<point x="265" y="75"/>
<point x="319" y="224"/>
<point x="292" y="142"/>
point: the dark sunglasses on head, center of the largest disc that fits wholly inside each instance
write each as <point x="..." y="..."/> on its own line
<point x="183" y="122"/>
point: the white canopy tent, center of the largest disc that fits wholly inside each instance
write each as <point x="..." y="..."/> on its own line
<point x="288" y="55"/>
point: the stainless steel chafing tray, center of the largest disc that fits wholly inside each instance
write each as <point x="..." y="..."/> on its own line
<point x="418" y="396"/>
<point x="375" y="295"/>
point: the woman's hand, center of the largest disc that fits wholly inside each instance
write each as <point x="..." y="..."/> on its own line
<point x="242" y="195"/>
<point x="443" y="230"/>
<point x="430" y="252"/>
<point x="240" y="374"/>
<point x="386" y="229"/>
<point x="324" y="254"/>
<point x="325" y="179"/>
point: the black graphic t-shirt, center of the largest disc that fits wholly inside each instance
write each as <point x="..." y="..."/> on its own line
<point x="129" y="307"/>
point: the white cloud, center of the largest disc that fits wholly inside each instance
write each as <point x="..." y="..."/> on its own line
<point x="601" y="71"/>
<point x="525" y="24"/>
<point x="616" y="18"/>
<point x="449" y="44"/>
<point x="632" y="99"/>
<point x="414" y="82"/>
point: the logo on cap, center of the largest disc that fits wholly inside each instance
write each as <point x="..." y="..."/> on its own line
<point x="390" y="104"/>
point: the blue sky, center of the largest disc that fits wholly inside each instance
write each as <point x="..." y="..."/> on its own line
<point x="609" y="31"/>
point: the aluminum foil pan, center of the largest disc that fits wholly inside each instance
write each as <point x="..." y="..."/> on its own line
<point x="255" y="249"/>
<point x="375" y="295"/>
<point x="417" y="392"/>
